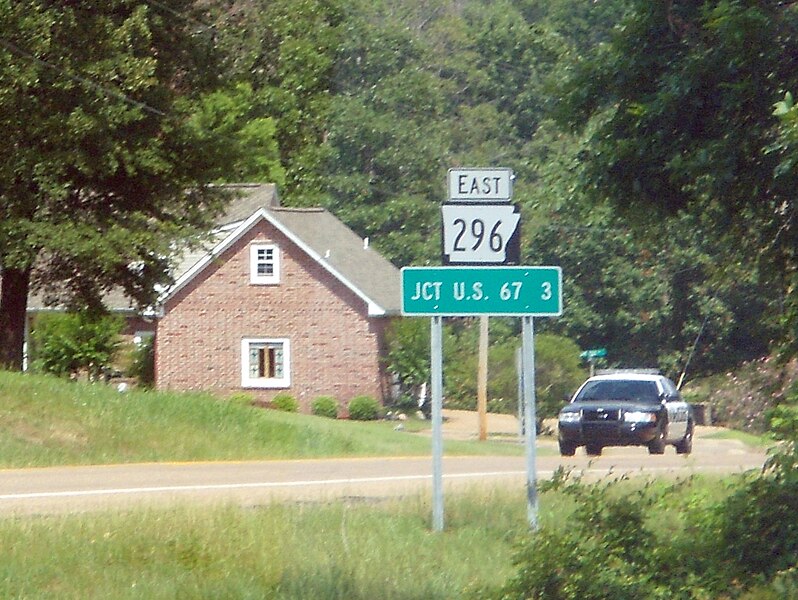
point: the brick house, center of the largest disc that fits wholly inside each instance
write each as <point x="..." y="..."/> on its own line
<point x="287" y="300"/>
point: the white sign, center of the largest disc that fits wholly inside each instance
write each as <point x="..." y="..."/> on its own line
<point x="478" y="233"/>
<point x="480" y="185"/>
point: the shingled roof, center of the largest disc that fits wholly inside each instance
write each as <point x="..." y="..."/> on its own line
<point x="316" y="232"/>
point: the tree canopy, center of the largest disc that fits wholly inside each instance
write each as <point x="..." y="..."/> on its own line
<point x="100" y="171"/>
<point x="677" y="113"/>
<point x="649" y="161"/>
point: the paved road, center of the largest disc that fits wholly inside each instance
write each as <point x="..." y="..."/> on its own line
<point x="75" y="489"/>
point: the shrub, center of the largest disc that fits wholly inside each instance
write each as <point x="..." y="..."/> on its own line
<point x="607" y="548"/>
<point x="325" y="406"/>
<point x="363" y="408"/>
<point x="71" y="343"/>
<point x="285" y="403"/>
<point x="143" y="365"/>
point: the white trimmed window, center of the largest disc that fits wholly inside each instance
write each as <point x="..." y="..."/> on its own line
<point x="265" y="363"/>
<point x="264" y="264"/>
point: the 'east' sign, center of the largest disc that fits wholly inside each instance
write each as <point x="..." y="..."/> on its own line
<point x="480" y="185"/>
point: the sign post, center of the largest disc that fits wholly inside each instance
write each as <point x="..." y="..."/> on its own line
<point x="480" y="234"/>
<point x="591" y="355"/>
<point x="530" y="418"/>
<point x="436" y="376"/>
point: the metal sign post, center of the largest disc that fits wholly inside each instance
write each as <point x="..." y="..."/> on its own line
<point x="436" y="375"/>
<point x="480" y="234"/>
<point x="530" y="425"/>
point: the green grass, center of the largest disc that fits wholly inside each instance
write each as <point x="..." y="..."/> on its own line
<point x="47" y="421"/>
<point x="314" y="552"/>
<point x="749" y="439"/>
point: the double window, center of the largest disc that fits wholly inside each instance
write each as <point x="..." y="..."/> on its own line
<point x="265" y="363"/>
<point x="264" y="264"/>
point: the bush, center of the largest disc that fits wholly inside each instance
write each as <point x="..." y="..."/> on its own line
<point x="325" y="406"/>
<point x="71" y="343"/>
<point x="558" y="373"/>
<point x="607" y="548"/>
<point x="143" y="365"/>
<point x="364" y="408"/>
<point x="285" y="403"/>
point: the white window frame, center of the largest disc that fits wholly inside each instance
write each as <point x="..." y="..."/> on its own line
<point x="248" y="380"/>
<point x="255" y="262"/>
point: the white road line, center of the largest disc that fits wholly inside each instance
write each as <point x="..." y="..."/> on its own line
<point x="242" y="486"/>
<point x="327" y="482"/>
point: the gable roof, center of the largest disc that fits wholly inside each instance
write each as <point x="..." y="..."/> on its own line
<point x="316" y="232"/>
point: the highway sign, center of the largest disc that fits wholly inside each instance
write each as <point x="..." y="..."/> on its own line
<point x="471" y="291"/>
<point x="480" y="234"/>
<point x="595" y="353"/>
<point x="480" y="185"/>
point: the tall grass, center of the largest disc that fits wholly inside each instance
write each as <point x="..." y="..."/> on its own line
<point x="49" y="421"/>
<point x="325" y="551"/>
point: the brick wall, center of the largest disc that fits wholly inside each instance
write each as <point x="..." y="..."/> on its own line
<point x="335" y="347"/>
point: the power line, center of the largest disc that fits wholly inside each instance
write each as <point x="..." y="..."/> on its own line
<point x="180" y="14"/>
<point x="105" y="90"/>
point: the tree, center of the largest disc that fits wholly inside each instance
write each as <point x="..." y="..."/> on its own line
<point x="676" y="112"/>
<point x="285" y="50"/>
<point x="99" y="151"/>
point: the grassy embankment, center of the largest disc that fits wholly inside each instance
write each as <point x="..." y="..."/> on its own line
<point x="46" y="421"/>
<point x="280" y="551"/>
<point x="302" y="551"/>
<point x="313" y="551"/>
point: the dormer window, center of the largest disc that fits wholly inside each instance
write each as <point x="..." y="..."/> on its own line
<point x="264" y="264"/>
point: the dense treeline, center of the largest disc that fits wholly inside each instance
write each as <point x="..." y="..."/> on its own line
<point x="397" y="92"/>
<point x="649" y="163"/>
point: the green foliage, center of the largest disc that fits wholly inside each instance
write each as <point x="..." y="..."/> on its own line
<point x="364" y="408"/>
<point x="325" y="406"/>
<point x="94" y="177"/>
<point x="68" y="344"/>
<point x="610" y="539"/>
<point x="143" y="365"/>
<point x="284" y="403"/>
<point x="233" y="114"/>
<point x="676" y="114"/>
<point x="652" y="300"/>
<point x="558" y="371"/>
<point x="285" y="51"/>
<point x="408" y="351"/>
<point x="609" y="547"/>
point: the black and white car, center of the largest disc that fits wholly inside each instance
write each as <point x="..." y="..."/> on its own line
<point x="626" y="409"/>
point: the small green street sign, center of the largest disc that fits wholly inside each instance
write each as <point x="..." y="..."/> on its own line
<point x="492" y="291"/>
<point x="591" y="354"/>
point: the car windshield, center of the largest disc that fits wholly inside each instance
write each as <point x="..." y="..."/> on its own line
<point x="632" y="391"/>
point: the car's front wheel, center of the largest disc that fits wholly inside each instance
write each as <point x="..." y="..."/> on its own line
<point x="567" y="448"/>
<point x="657" y="445"/>
<point x="685" y="446"/>
<point x="593" y="450"/>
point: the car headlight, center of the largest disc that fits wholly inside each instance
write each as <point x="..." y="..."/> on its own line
<point x="569" y="416"/>
<point x="639" y="416"/>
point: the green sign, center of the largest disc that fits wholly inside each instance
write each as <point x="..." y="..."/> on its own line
<point x="467" y="291"/>
<point x="591" y="354"/>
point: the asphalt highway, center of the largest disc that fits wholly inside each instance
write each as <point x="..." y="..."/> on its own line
<point x="79" y="489"/>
